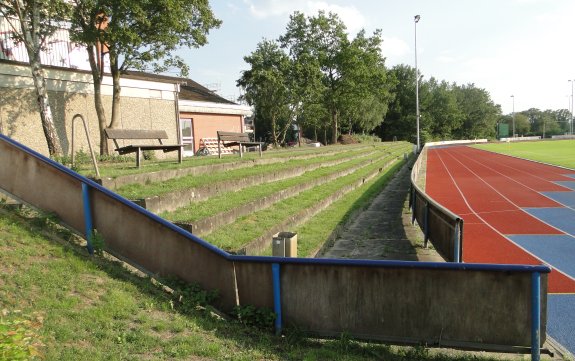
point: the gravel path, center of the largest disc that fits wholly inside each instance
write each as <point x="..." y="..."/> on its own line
<point x="384" y="230"/>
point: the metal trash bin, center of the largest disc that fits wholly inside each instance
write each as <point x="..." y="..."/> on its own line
<point x="284" y="244"/>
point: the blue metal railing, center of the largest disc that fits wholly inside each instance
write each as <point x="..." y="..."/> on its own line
<point x="276" y="262"/>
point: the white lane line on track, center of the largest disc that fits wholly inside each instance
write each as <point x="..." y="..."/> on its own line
<point x="485" y="222"/>
<point x="519" y="183"/>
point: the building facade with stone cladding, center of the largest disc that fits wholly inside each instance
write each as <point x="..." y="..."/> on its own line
<point x="145" y="104"/>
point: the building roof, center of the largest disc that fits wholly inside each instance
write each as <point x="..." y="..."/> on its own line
<point x="189" y="89"/>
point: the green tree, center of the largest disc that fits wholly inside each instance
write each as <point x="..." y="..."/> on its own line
<point x="267" y="87"/>
<point x="32" y="22"/>
<point x="480" y="114"/>
<point x="399" y="122"/>
<point x="441" y="116"/>
<point x="139" y="35"/>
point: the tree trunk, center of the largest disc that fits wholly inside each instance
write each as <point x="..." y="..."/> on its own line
<point x="274" y="132"/>
<point x="54" y="146"/>
<point x="114" y="68"/>
<point x="335" y="128"/>
<point x="100" y="112"/>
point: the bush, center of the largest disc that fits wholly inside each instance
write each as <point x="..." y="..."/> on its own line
<point x="366" y="138"/>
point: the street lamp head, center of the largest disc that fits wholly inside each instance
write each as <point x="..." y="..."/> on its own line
<point x="416" y="18"/>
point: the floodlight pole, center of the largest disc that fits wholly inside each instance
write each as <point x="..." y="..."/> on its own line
<point x="513" y="114"/>
<point x="416" y="20"/>
<point x="571" y="81"/>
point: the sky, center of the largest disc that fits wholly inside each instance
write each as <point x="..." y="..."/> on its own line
<point x="523" y="48"/>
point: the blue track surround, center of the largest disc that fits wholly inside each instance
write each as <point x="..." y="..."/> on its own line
<point x="557" y="250"/>
<point x="565" y="198"/>
<point x="88" y="185"/>
<point x="560" y="218"/>
<point x="568" y="184"/>
<point x="561" y="319"/>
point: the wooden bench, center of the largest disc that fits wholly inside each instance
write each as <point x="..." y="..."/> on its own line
<point x="230" y="139"/>
<point x="115" y="134"/>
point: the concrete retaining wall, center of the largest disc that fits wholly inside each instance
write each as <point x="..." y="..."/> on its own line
<point x="443" y="304"/>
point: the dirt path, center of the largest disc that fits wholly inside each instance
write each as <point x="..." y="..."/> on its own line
<point x="384" y="230"/>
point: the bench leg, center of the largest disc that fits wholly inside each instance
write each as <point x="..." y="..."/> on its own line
<point x="260" y="149"/>
<point x="241" y="153"/>
<point x="138" y="157"/>
<point x="219" y="149"/>
<point x="180" y="157"/>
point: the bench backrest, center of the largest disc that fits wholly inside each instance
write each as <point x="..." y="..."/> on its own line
<point x="233" y="137"/>
<point x="135" y="134"/>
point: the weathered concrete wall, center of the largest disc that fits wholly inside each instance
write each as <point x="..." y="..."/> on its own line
<point x="436" y="304"/>
<point x="144" y="105"/>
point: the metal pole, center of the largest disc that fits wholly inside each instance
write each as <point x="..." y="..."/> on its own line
<point x="416" y="20"/>
<point x="513" y="97"/>
<point x="571" y="106"/>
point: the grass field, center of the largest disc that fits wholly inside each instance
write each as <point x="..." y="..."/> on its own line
<point x="557" y="152"/>
<point x="58" y="303"/>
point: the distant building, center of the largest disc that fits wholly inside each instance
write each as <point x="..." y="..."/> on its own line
<point x="186" y="110"/>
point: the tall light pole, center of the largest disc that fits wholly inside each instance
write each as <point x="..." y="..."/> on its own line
<point x="571" y="81"/>
<point x="416" y="20"/>
<point x="513" y="114"/>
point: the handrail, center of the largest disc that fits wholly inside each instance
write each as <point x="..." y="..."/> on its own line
<point x="245" y="278"/>
<point x="89" y="143"/>
<point x="424" y="224"/>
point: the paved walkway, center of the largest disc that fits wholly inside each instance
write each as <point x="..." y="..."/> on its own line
<point x="384" y="230"/>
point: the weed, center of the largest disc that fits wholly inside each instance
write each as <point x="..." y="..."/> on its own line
<point x="98" y="243"/>
<point x="149" y="155"/>
<point x="189" y="297"/>
<point x="19" y="338"/>
<point x="262" y="318"/>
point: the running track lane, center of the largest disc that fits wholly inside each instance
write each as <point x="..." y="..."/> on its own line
<point x="515" y="211"/>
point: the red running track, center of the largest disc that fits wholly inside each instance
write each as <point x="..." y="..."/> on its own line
<point x="488" y="191"/>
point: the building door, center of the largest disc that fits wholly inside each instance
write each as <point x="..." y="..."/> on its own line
<point x="187" y="136"/>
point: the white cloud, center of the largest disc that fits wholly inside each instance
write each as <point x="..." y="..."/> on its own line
<point x="394" y="47"/>
<point x="349" y="14"/>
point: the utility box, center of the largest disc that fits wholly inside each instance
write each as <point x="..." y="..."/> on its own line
<point x="284" y="244"/>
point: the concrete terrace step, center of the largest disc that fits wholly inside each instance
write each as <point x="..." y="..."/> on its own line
<point x="207" y="225"/>
<point x="160" y="176"/>
<point x="180" y="198"/>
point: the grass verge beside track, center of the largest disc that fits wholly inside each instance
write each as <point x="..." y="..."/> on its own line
<point x="556" y="152"/>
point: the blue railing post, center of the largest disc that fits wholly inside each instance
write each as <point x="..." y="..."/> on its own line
<point x="87" y="216"/>
<point x="535" y="316"/>
<point x="277" y="297"/>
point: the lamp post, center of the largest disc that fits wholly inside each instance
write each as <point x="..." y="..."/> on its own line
<point x="513" y="114"/>
<point x="571" y="81"/>
<point x="416" y="20"/>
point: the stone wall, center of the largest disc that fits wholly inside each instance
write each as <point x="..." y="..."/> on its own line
<point x="144" y="105"/>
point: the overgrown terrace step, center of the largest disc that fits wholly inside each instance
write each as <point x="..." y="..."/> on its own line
<point x="136" y="191"/>
<point x="236" y="237"/>
<point x="226" y="165"/>
<point x="206" y="225"/>
<point x="173" y="200"/>
<point x="259" y="244"/>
